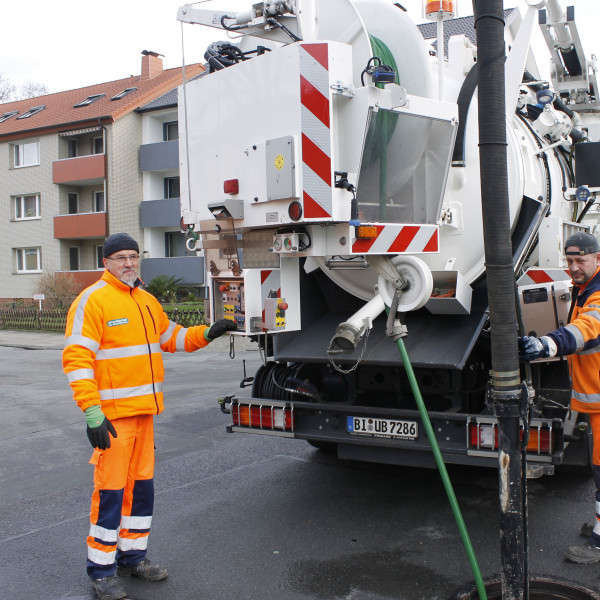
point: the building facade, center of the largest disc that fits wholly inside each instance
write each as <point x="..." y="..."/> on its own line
<point x="70" y="176"/>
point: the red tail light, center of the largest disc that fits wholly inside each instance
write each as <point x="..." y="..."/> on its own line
<point x="262" y="417"/>
<point x="485" y="436"/>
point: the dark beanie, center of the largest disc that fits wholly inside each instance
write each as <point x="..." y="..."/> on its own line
<point x="119" y="241"/>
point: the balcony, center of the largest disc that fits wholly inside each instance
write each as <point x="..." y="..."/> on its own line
<point x="83" y="278"/>
<point x="83" y="225"/>
<point x="81" y="170"/>
<point x="160" y="213"/>
<point x="188" y="269"/>
<point x="160" y="156"/>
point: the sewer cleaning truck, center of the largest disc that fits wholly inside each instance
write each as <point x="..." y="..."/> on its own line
<point x="330" y="174"/>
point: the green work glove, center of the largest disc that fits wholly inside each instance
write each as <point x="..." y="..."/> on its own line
<point x="218" y="328"/>
<point x="98" y="428"/>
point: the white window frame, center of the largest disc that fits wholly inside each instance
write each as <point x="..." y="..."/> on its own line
<point x="20" y="204"/>
<point x="95" y="201"/>
<point x="98" y="256"/>
<point x="21" y="261"/>
<point x="20" y="159"/>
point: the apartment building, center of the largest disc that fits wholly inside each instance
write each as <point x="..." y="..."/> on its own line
<point x="160" y="210"/>
<point x="70" y="175"/>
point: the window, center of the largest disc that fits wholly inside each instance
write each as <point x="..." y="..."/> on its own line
<point x="170" y="131"/>
<point x="89" y="100"/>
<point x="73" y="203"/>
<point x="8" y="115"/>
<point x="98" y="145"/>
<point x="98" y="204"/>
<point x="31" y="112"/>
<point x="72" y="148"/>
<point x="74" y="258"/>
<point x="29" y="260"/>
<point x="175" y="245"/>
<point x="27" y="207"/>
<point x="124" y="93"/>
<point x="99" y="256"/>
<point x="26" y="154"/>
<point x="171" y="187"/>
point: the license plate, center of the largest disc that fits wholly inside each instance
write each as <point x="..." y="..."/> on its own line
<point x="387" y="428"/>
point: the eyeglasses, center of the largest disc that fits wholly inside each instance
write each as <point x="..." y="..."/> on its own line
<point x="124" y="259"/>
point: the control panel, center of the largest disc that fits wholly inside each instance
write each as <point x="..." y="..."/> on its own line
<point x="230" y="301"/>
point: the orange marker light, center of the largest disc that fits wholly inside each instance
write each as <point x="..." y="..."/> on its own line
<point x="366" y="232"/>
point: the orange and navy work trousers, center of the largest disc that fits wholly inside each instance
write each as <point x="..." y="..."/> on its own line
<point x="123" y="498"/>
<point x="595" y="423"/>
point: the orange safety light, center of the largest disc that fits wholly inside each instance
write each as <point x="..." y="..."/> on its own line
<point x="366" y="232"/>
<point x="434" y="7"/>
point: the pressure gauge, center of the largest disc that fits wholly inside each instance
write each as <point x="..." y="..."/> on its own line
<point x="582" y="193"/>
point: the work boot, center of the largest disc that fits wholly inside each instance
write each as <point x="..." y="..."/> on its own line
<point x="144" y="570"/>
<point x="109" y="588"/>
<point x="586" y="530"/>
<point x="584" y="555"/>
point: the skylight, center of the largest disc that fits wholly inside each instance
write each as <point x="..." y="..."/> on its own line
<point x="31" y="112"/>
<point x="124" y="93"/>
<point x="89" y="100"/>
<point x="8" y="115"/>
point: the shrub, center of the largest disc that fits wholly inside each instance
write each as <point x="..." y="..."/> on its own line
<point x="164" y="287"/>
<point x="59" y="289"/>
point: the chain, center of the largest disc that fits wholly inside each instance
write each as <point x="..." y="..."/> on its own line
<point x="346" y="372"/>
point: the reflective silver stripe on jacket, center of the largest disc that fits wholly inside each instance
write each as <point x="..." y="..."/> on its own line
<point x="80" y="310"/>
<point x="130" y="392"/>
<point x="136" y="522"/>
<point x="166" y="336"/>
<point x="577" y="335"/>
<point x="80" y="374"/>
<point x="127" y="351"/>
<point x="106" y="535"/>
<point x="589" y="398"/>
<point x="80" y="340"/>
<point x="180" y="342"/>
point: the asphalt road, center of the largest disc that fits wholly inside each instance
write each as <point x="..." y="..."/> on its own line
<point x="251" y="517"/>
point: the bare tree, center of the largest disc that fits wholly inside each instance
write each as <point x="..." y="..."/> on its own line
<point x="30" y="89"/>
<point x="7" y="89"/>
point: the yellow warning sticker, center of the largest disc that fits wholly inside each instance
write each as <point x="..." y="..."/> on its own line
<point x="279" y="162"/>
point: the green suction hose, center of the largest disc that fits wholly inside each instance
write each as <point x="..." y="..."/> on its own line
<point x="464" y="534"/>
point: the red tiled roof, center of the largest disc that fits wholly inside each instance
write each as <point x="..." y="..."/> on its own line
<point x="60" y="114"/>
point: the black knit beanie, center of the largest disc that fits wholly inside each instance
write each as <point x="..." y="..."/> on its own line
<point x="119" y="241"/>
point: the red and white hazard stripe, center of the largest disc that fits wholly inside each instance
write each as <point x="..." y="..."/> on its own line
<point x="399" y="239"/>
<point x="316" y="130"/>
<point x="538" y="275"/>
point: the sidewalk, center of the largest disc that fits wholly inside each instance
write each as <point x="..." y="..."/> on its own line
<point x="45" y="340"/>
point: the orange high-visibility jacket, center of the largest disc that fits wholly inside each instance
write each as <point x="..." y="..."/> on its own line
<point x="113" y="341"/>
<point x="580" y="340"/>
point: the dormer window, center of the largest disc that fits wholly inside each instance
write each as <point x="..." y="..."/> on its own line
<point x="124" y="93"/>
<point x="32" y="111"/>
<point x="8" y="115"/>
<point x="89" y="100"/>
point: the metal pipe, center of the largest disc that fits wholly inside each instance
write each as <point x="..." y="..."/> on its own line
<point x="504" y="389"/>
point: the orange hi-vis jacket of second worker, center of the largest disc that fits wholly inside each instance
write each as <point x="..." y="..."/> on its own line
<point x="580" y="340"/>
<point x="112" y="355"/>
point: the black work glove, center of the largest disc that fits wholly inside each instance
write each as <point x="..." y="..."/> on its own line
<point x="99" y="436"/>
<point x="531" y="348"/>
<point x="218" y="328"/>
